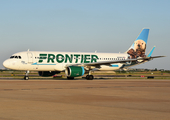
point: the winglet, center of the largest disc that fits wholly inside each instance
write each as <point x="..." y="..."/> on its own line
<point x="150" y="53"/>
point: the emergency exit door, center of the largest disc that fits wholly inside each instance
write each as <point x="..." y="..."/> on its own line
<point x="30" y="57"/>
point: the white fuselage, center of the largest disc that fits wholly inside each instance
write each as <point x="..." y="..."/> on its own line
<point x="57" y="61"/>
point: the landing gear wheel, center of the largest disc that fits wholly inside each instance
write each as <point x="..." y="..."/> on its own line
<point x="70" y="78"/>
<point x="89" y="77"/>
<point x="26" y="77"/>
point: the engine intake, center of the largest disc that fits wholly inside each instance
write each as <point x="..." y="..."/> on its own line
<point x="74" y="71"/>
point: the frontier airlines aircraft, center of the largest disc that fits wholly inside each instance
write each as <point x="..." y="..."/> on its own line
<point x="79" y="63"/>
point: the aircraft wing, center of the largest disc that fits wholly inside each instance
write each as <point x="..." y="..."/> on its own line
<point x="139" y="60"/>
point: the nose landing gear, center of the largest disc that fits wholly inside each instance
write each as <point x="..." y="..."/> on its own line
<point x="26" y="75"/>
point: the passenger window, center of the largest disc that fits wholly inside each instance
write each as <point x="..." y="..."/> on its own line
<point x="19" y="57"/>
<point x="16" y="56"/>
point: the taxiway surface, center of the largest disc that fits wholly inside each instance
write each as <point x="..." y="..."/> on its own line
<point x="106" y="99"/>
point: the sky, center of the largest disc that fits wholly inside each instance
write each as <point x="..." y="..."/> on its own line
<point x="84" y="25"/>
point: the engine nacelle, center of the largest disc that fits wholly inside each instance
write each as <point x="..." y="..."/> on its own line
<point x="47" y="73"/>
<point x="74" y="71"/>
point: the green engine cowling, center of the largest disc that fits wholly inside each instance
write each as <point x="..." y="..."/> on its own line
<point x="74" y="71"/>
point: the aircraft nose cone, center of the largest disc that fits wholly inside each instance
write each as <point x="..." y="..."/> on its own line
<point x="6" y="64"/>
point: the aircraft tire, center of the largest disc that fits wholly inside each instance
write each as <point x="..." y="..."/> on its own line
<point x="26" y="77"/>
<point x="89" y="77"/>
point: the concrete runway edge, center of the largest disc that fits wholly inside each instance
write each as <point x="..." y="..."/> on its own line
<point x="106" y="99"/>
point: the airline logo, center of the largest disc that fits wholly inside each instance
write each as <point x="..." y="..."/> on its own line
<point x="139" y="46"/>
<point x="67" y="58"/>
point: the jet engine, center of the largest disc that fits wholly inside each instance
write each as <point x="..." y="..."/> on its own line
<point x="74" y="71"/>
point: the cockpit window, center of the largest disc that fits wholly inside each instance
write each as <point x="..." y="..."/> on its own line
<point x="16" y="57"/>
<point x="12" y="56"/>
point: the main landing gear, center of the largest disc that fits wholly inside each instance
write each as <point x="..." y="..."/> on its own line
<point x="26" y="75"/>
<point x="89" y="77"/>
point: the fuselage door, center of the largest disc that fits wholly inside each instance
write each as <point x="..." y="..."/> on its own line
<point x="30" y="57"/>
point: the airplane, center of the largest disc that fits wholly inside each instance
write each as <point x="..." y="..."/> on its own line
<point x="77" y="64"/>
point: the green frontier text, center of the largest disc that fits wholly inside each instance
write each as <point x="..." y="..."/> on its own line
<point x="68" y="58"/>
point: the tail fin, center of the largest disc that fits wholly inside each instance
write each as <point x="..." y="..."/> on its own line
<point x="138" y="48"/>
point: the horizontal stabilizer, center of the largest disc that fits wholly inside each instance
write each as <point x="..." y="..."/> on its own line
<point x="156" y="57"/>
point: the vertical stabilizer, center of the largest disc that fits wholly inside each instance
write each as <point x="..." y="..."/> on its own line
<point x="138" y="47"/>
